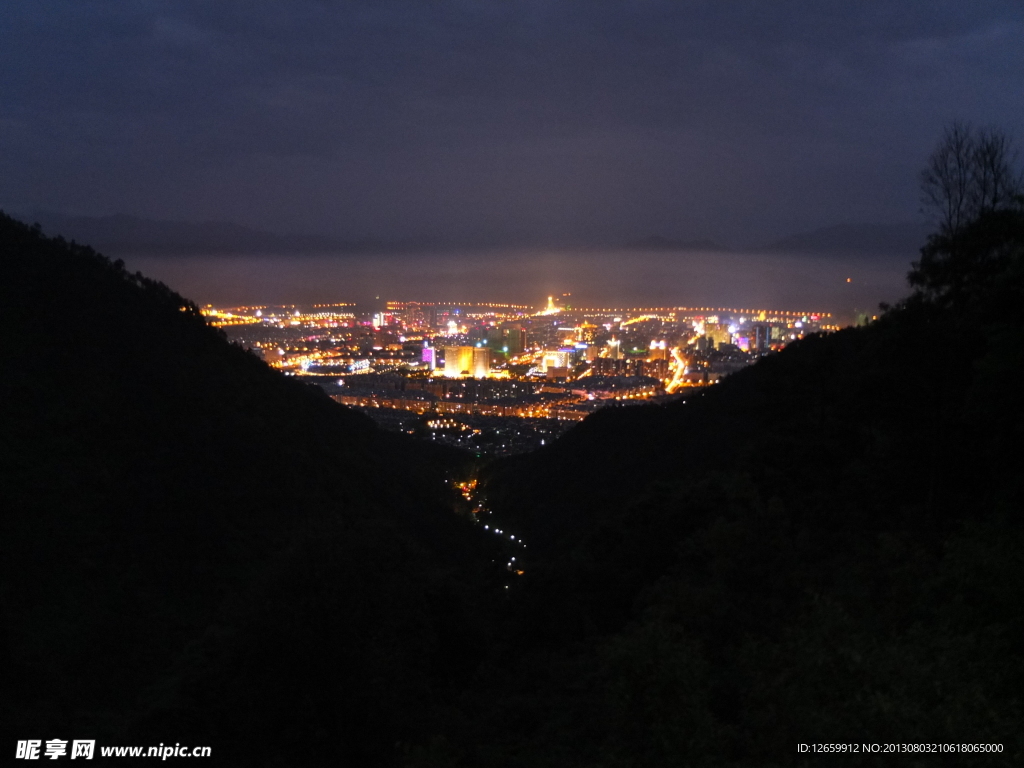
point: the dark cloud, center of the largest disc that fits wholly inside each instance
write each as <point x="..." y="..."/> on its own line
<point x="740" y="121"/>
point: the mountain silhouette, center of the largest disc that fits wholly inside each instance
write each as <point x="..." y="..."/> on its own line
<point x="900" y="239"/>
<point x="193" y="545"/>
<point x="123" y="235"/>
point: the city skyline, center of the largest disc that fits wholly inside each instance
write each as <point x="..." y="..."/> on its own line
<point x="501" y="378"/>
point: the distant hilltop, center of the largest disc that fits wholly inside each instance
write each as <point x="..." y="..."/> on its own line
<point x="904" y="238"/>
<point x="863" y="239"/>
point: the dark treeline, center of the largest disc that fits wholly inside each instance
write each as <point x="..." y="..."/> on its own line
<point x="825" y="547"/>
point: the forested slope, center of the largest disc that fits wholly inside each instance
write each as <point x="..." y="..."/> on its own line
<point x="826" y="547"/>
<point x="196" y="549"/>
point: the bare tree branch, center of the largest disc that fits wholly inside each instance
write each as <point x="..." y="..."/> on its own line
<point x="946" y="181"/>
<point x="994" y="182"/>
<point x="969" y="173"/>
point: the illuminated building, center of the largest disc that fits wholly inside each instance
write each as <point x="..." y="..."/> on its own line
<point x="718" y="333"/>
<point x="677" y="346"/>
<point x="586" y="332"/>
<point x="494" y="338"/>
<point x="481" y="362"/>
<point x="558" y="364"/>
<point x="515" y="339"/>
<point x="458" y="361"/>
<point x="659" y="351"/>
<point x="614" y="348"/>
<point x="606" y="366"/>
<point x="557" y="358"/>
<point x="761" y="341"/>
<point x="430" y="357"/>
<point x="467" y="361"/>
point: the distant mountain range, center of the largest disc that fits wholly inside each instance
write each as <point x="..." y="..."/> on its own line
<point x="903" y="239"/>
<point x="121" y="235"/>
<point x="862" y="239"/>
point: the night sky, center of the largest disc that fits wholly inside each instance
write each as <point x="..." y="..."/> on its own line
<point x="496" y="122"/>
<point x="736" y="121"/>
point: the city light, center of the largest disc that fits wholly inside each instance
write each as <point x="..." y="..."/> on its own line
<point x="454" y="364"/>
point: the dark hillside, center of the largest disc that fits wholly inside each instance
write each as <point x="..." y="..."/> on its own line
<point x="195" y="548"/>
<point x="826" y="547"/>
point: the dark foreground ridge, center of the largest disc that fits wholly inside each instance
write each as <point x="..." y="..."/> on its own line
<point x="825" y="548"/>
<point x="196" y="549"/>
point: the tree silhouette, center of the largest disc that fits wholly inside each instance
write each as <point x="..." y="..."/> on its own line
<point x="971" y="172"/>
<point x="973" y="186"/>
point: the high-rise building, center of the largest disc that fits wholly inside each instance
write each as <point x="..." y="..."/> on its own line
<point x="429" y="357"/>
<point x="515" y="338"/>
<point x="467" y="361"/>
<point x="558" y="358"/>
<point x="481" y="362"/>
<point x="494" y="338"/>
<point x="458" y="361"/>
<point x="614" y="348"/>
<point x="718" y="333"/>
<point x="659" y="350"/>
<point x="415" y="317"/>
<point x="762" y="338"/>
<point x="586" y="332"/>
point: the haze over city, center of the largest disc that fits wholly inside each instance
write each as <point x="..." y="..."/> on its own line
<point x="626" y="279"/>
